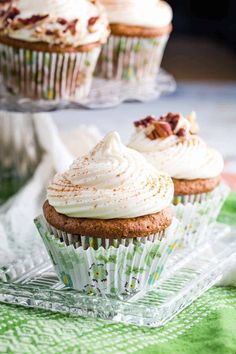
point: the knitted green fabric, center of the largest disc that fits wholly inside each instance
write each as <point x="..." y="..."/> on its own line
<point x="207" y="326"/>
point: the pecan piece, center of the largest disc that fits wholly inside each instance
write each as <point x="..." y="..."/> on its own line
<point x="71" y="27"/>
<point x="32" y="20"/>
<point x="172" y="119"/>
<point x="153" y="135"/>
<point x="93" y="20"/>
<point x="144" y="122"/>
<point x="181" y="133"/>
<point x="12" y="14"/>
<point x="61" y="21"/>
<point x="161" y="130"/>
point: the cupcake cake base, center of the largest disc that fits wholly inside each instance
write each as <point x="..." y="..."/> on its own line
<point x="195" y="186"/>
<point x="121" y="228"/>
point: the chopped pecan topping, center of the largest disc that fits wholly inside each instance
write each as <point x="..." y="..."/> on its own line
<point x="170" y="124"/>
<point x="12" y="13"/>
<point x="50" y="32"/>
<point x="172" y="119"/>
<point x="93" y="20"/>
<point x="62" y="21"/>
<point x="32" y="20"/>
<point x="144" y="122"/>
<point x="161" y="130"/>
<point x="71" y="27"/>
<point x="182" y="132"/>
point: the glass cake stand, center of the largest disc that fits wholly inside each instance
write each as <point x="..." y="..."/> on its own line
<point x="32" y="282"/>
<point x="104" y="94"/>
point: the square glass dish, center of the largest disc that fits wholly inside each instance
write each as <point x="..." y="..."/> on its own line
<point x="31" y="281"/>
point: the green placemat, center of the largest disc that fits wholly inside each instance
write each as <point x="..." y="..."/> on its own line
<point x="207" y="326"/>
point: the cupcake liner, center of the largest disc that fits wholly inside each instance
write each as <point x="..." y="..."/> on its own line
<point x="197" y="214"/>
<point x="131" y="58"/>
<point x="48" y="76"/>
<point x="108" y="266"/>
<point x="20" y="152"/>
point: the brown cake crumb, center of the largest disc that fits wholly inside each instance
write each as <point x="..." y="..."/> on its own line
<point x="195" y="186"/>
<point x="113" y="228"/>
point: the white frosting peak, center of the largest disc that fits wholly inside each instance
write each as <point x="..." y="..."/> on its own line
<point x="113" y="181"/>
<point x="148" y="13"/>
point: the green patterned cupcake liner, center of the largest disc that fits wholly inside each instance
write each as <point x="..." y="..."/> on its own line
<point x="131" y="58"/>
<point x="108" y="267"/>
<point x="198" y="213"/>
<point x="47" y="76"/>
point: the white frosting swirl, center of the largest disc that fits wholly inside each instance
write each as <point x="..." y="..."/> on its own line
<point x="50" y="30"/>
<point x="182" y="158"/>
<point x="149" y="13"/>
<point x="113" y="181"/>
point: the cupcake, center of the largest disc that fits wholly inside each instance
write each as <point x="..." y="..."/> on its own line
<point x="49" y="48"/>
<point x="108" y="227"/>
<point x="139" y="33"/>
<point x="171" y="144"/>
<point x="20" y="151"/>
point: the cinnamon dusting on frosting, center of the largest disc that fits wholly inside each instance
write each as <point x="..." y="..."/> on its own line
<point x="115" y="178"/>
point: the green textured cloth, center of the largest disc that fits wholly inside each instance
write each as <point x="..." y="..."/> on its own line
<point x="207" y="326"/>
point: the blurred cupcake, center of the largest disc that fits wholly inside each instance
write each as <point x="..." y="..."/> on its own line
<point x="49" y="48"/>
<point x="20" y="151"/>
<point x="171" y="144"/>
<point x="109" y="229"/>
<point x="139" y="33"/>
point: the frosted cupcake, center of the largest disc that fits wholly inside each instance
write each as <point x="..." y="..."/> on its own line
<point x="49" y="49"/>
<point x="171" y="144"/>
<point x="109" y="229"/>
<point x="20" y="151"/>
<point x="139" y="33"/>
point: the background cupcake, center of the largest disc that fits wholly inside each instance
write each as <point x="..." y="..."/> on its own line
<point x="48" y="49"/>
<point x="139" y="33"/>
<point x="20" y="151"/>
<point x="172" y="145"/>
<point x="109" y="227"/>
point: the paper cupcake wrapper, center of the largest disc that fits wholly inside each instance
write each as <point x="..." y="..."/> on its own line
<point x="131" y="58"/>
<point x="115" y="267"/>
<point x="197" y="214"/>
<point x="48" y="76"/>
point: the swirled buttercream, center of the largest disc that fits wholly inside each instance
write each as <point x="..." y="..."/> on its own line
<point x="183" y="156"/>
<point x="68" y="22"/>
<point x="149" y="13"/>
<point x="113" y="181"/>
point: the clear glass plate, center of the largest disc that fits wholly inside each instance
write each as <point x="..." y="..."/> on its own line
<point x="31" y="281"/>
<point x="104" y="94"/>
